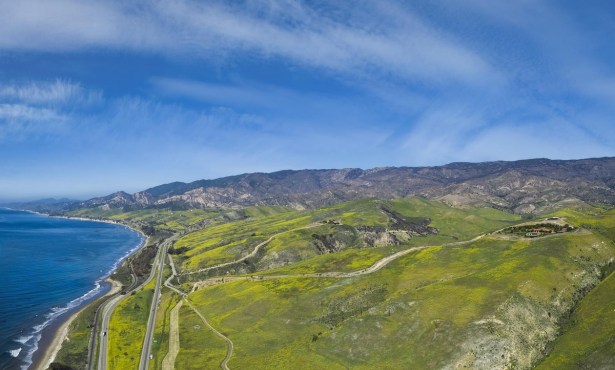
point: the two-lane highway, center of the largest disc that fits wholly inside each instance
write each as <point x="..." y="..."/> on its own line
<point x="112" y="303"/>
<point x="151" y="322"/>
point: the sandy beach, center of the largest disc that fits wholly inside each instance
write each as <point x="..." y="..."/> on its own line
<point x="61" y="333"/>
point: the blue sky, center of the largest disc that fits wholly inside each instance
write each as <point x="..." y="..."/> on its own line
<point x="99" y="96"/>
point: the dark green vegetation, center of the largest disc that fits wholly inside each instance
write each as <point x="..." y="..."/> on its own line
<point x="469" y="295"/>
<point x="537" y="229"/>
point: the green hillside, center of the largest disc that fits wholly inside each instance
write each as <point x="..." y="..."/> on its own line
<point x="407" y="283"/>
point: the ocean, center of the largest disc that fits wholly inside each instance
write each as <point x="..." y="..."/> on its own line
<point x="49" y="267"/>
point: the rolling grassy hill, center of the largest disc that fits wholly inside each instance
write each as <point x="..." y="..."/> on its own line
<point x="297" y="288"/>
<point x="489" y="304"/>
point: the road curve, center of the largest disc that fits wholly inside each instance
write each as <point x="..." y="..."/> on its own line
<point x="104" y="328"/>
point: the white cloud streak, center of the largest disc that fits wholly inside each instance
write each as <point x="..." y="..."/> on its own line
<point x="25" y="112"/>
<point x="41" y="108"/>
<point x="571" y="56"/>
<point x="400" y="45"/>
<point x="65" y="25"/>
<point x="474" y="134"/>
<point x="18" y="122"/>
<point x="447" y="96"/>
<point x="56" y="93"/>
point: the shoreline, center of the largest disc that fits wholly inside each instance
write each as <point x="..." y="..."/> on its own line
<point x="50" y="351"/>
<point x="48" y="348"/>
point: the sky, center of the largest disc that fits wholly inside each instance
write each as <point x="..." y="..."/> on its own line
<point x="101" y="96"/>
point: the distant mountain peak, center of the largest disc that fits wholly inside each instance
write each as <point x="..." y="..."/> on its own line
<point x="525" y="186"/>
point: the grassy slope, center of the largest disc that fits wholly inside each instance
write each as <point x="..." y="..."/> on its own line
<point x="588" y="340"/>
<point x="319" y="322"/>
<point x="425" y="310"/>
<point x="200" y="348"/>
<point x="454" y="223"/>
<point x="229" y="241"/>
<point x="422" y="311"/>
<point x="127" y="328"/>
<point x="163" y="219"/>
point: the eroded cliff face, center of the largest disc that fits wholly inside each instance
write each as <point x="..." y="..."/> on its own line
<point x="518" y="334"/>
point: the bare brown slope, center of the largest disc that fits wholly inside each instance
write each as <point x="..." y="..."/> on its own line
<point x="527" y="186"/>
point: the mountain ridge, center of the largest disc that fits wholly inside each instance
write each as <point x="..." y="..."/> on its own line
<point x="524" y="186"/>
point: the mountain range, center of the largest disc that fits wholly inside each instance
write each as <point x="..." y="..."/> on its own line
<point x="525" y="186"/>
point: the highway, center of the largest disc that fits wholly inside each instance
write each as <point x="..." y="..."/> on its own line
<point x="151" y="322"/>
<point x="109" y="307"/>
<point x="104" y="328"/>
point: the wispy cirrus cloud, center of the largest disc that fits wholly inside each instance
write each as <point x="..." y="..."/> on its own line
<point x="474" y="133"/>
<point x="360" y="44"/>
<point x="52" y="93"/>
<point x="25" y="112"/>
<point x="566" y="56"/>
<point x="197" y="89"/>
<point x="405" y="45"/>
<point x="223" y="94"/>
<point x="19" y="122"/>
<point x="68" y="25"/>
<point x="41" y="108"/>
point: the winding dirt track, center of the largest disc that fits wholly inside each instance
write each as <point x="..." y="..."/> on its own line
<point x="251" y="254"/>
<point x="378" y="265"/>
<point x="174" y="344"/>
<point x="169" y="360"/>
<point x="229" y="343"/>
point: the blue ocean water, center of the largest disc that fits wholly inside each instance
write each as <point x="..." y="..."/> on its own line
<point x="49" y="266"/>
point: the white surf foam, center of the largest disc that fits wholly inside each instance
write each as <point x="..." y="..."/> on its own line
<point x="49" y="318"/>
<point x="28" y="359"/>
<point x="24" y="339"/>
<point x="15" y="352"/>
